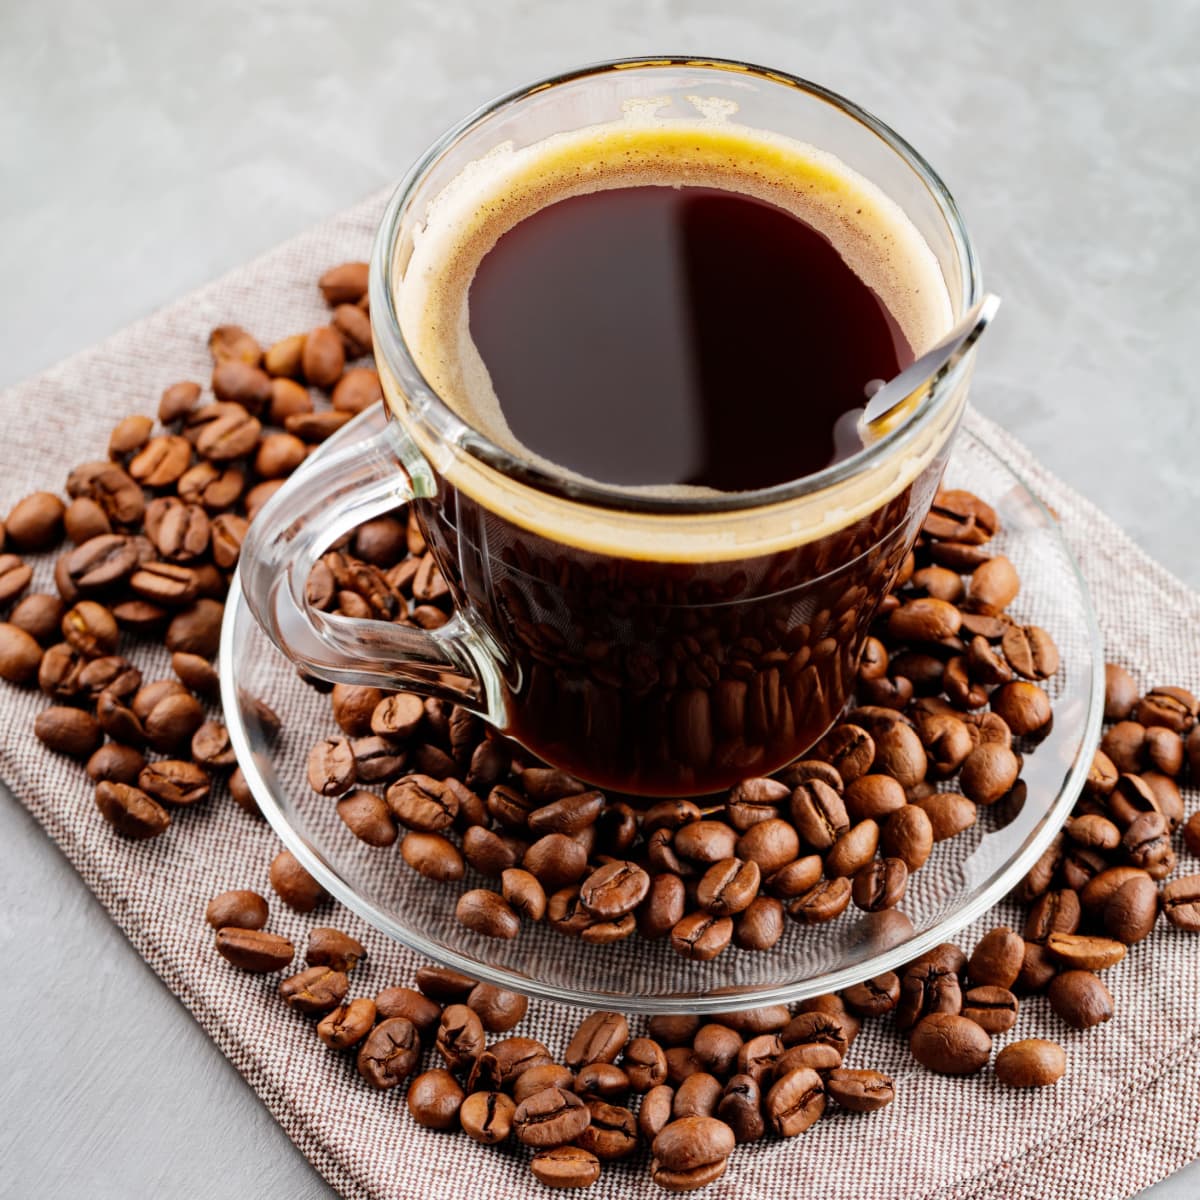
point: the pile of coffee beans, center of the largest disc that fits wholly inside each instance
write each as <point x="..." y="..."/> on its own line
<point x="949" y="701"/>
<point x="687" y="1089"/>
<point x="154" y="531"/>
<point x="950" y="697"/>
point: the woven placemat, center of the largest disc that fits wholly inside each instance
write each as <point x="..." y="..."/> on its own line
<point x="1126" y="1114"/>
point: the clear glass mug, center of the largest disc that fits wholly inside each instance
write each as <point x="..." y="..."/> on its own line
<point x="651" y="646"/>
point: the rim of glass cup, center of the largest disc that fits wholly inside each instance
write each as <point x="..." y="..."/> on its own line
<point x="702" y="1002"/>
<point x="429" y="408"/>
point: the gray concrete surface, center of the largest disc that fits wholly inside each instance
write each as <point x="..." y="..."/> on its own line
<point x="149" y="147"/>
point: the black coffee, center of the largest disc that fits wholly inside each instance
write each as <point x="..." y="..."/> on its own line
<point x="679" y="335"/>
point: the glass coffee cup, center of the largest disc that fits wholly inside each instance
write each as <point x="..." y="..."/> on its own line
<point x="651" y="644"/>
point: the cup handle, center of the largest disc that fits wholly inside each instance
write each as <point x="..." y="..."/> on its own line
<point x="368" y="468"/>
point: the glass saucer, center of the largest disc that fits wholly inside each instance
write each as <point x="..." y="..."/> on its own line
<point x="964" y="877"/>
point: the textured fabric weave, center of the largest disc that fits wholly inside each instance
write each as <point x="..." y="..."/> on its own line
<point x="1126" y="1114"/>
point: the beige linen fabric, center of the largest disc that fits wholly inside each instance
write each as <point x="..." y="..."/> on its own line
<point x="1126" y="1114"/>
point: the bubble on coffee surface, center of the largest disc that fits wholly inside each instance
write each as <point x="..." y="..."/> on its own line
<point x="497" y="191"/>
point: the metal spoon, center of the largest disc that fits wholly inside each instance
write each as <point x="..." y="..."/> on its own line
<point x="927" y="370"/>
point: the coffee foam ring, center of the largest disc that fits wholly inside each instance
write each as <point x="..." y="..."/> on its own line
<point x="689" y="537"/>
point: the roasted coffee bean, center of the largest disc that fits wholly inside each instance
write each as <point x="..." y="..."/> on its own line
<point x="40" y="615"/>
<point x="880" y="884"/>
<point x="506" y="1060"/>
<point x="1130" y="912"/>
<point x="390" y="1054"/>
<point x="758" y="1056"/>
<point x="313" y="426"/>
<point x="818" y="814"/>
<point x="645" y="1064"/>
<point x="196" y="629"/>
<point x="927" y="987"/>
<point x="600" y="1038"/>
<point x="397" y="716"/>
<point x="239" y="909"/>
<point x="663" y="907"/>
<point x="860" y="1091"/>
<point x="716" y="1048"/>
<point x="728" y="886"/>
<point x="994" y="586"/>
<point x="752" y="801"/>
<point x="91" y="629"/>
<point x="499" y="1010"/>
<point x="988" y="773"/>
<point x="1034" y="1062"/>
<point x="899" y="753"/>
<point x="874" y="796"/>
<point x="131" y="812"/>
<point x="175" y="782"/>
<point x="422" y="803"/>
<point x="293" y="884"/>
<point x="129" y="435"/>
<point x="211" y="746"/>
<point x="1174" y="708"/>
<point x="741" y="1108"/>
<point x="489" y="853"/>
<point x="1080" y="998"/>
<point x="434" y="856"/>
<point x="949" y="814"/>
<point x="601" y="1081"/>
<point x="510" y="807"/>
<point x="315" y="991"/>
<point x="254" y="950"/>
<point x="697" y="1096"/>
<point x="35" y="522"/>
<point x="1093" y="832"/>
<point x="853" y="850"/>
<point x="687" y="1181"/>
<point x="353" y="707"/>
<point x="550" y="1117"/>
<point x="693" y="1142"/>
<point x="700" y="936"/>
<point x="171" y="723"/>
<point x="558" y="860"/>
<point x="368" y="817"/>
<point x="569" y="815"/>
<point x="347" y="1024"/>
<point x="1055" y="912"/>
<point x="1132" y="797"/>
<point x="331" y="767"/>
<point x="487" y="913"/>
<point x="334" y="949"/>
<point x="524" y="893"/>
<point x="460" y="1036"/>
<point x="1163" y="750"/>
<point x="1120" y="692"/>
<point x="873" y="997"/>
<point x="997" y="958"/>
<point x="817" y="1056"/>
<point x="486" y="1117"/>
<point x="612" y="890"/>
<point x="444" y="984"/>
<point x="993" y="1009"/>
<point x="1031" y="652"/>
<point x="655" y="1111"/>
<point x="925" y="619"/>
<point x="434" y="1099"/>
<point x="116" y="764"/>
<point x="68" y="731"/>
<point x="1024" y="707"/>
<point x="705" y="841"/>
<point x="405" y="1002"/>
<point x="535" y="1078"/>
<point x="769" y="845"/>
<point x="1181" y="903"/>
<point x="822" y="902"/>
<point x="837" y="1029"/>
<point x="1037" y="969"/>
<point x="566" y="1166"/>
<point x="323" y="357"/>
<point x="20" y="655"/>
<point x="1095" y="893"/>
<point x="15" y="577"/>
<point x="849" y="749"/>
<point x="239" y="789"/>
<point x="1191" y="833"/>
<point x="795" y="1102"/>
<point x="102" y="561"/>
<point x="950" y="1044"/>
<point x="760" y="925"/>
